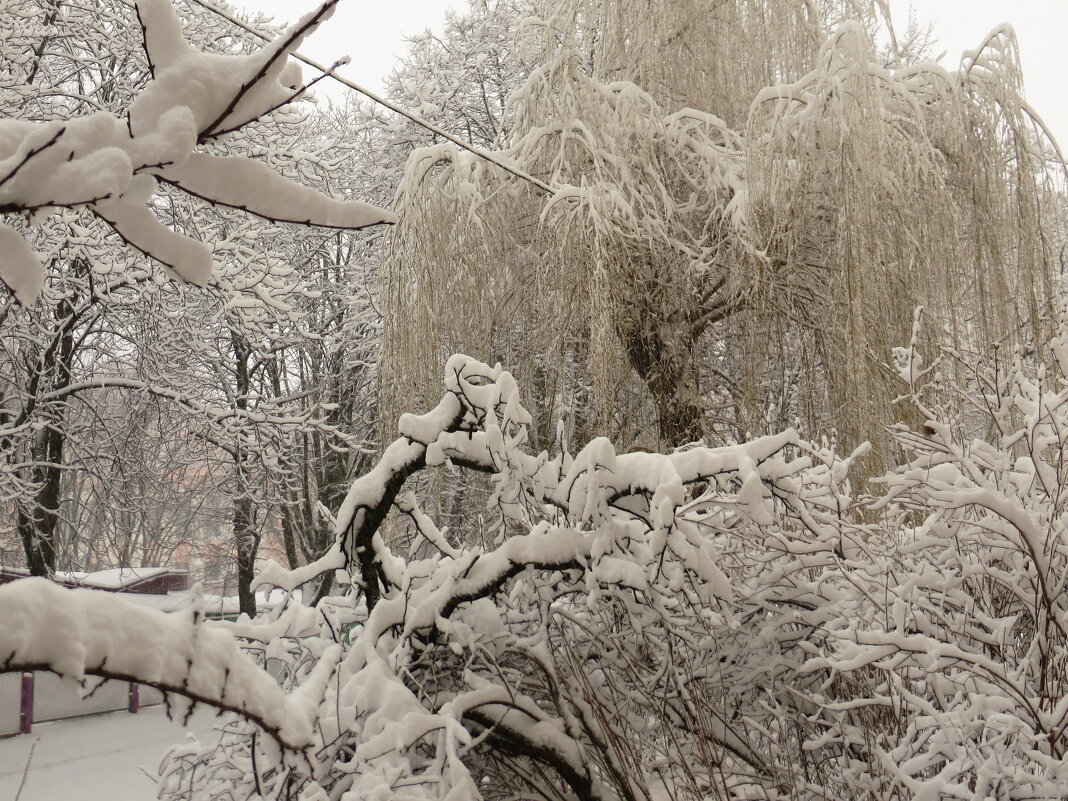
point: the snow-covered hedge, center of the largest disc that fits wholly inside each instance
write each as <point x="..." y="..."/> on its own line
<point x="713" y="623"/>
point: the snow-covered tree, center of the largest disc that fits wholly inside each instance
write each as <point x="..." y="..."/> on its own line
<point x="138" y="487"/>
<point x="747" y="204"/>
<point x="78" y="67"/>
<point x="460" y="79"/>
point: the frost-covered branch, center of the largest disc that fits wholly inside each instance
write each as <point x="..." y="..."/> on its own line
<point x="80" y="633"/>
<point x="111" y="166"/>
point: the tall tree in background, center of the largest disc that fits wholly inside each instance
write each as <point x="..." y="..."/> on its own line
<point x="103" y="176"/>
<point x="748" y="205"/>
<point x="63" y="60"/>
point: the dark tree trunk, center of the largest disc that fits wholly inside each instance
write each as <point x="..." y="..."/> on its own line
<point x="36" y="521"/>
<point x="669" y="370"/>
<point x="289" y="540"/>
<point x="247" y="543"/>
<point x="246" y="540"/>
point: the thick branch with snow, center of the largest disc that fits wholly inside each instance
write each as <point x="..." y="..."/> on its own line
<point x="111" y="165"/>
<point x="82" y="633"/>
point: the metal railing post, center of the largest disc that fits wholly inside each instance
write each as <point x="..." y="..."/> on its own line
<point x="26" y="709"/>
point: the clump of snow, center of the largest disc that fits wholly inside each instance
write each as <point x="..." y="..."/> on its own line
<point x="21" y="270"/>
<point x="102" y="163"/>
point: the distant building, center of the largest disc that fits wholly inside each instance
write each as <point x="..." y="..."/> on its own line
<point x="163" y="588"/>
<point x="141" y="580"/>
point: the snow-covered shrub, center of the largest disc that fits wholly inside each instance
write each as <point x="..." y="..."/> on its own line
<point x="708" y="624"/>
<point x="957" y="623"/>
<point x="593" y="649"/>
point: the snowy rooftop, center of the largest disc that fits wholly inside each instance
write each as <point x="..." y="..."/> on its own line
<point x="114" y="579"/>
<point x="120" y="579"/>
<point x="213" y="604"/>
<point x="134" y="584"/>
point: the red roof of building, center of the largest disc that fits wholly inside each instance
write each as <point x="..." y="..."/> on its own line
<point x="154" y="580"/>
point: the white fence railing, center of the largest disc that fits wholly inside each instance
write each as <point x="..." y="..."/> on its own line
<point x="47" y="697"/>
<point x="10" y="702"/>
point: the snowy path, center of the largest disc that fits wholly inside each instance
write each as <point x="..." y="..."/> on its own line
<point x="93" y="758"/>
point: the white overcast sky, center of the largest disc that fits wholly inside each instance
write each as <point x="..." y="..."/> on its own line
<point x="372" y="34"/>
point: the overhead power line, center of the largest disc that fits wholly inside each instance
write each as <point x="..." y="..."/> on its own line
<point x="330" y="72"/>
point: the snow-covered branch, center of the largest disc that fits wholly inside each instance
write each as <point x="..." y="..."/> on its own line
<point x="111" y="165"/>
<point x="81" y="633"/>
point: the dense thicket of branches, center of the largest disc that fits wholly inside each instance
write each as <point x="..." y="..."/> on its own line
<point x="712" y="623"/>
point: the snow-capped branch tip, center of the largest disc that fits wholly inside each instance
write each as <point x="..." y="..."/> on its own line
<point x="109" y="165"/>
<point x="275" y="54"/>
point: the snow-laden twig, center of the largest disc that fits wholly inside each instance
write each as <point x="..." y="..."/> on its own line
<point x="111" y="165"/>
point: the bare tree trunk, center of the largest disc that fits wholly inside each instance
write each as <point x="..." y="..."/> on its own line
<point x="247" y="543"/>
<point x="36" y="520"/>
<point x="667" y="366"/>
<point x="246" y="540"/>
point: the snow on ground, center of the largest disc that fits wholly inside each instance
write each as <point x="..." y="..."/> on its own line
<point x="94" y="758"/>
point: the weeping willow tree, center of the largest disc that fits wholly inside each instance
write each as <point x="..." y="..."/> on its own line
<point x="748" y="205"/>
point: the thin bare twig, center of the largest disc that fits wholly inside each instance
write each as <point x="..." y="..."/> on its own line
<point x="31" y="153"/>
